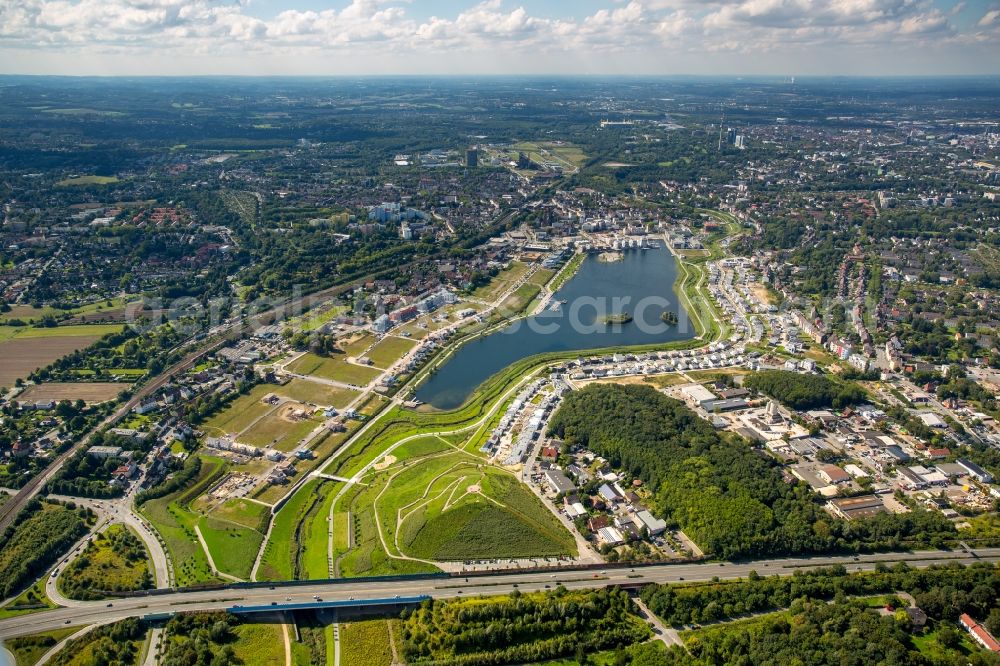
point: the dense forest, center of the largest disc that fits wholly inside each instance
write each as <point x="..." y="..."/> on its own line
<point x="520" y="628"/>
<point x="108" y="645"/>
<point x="802" y="392"/>
<point x="730" y="499"/>
<point x="201" y="638"/>
<point x="40" y="535"/>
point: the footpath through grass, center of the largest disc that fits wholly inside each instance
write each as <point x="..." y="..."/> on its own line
<point x="174" y="520"/>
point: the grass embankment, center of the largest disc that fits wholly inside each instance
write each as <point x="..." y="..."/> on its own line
<point x="298" y="544"/>
<point x="174" y="520"/>
<point x="567" y="271"/>
<point x="27" y="650"/>
<point x="31" y="600"/>
<point x="261" y="644"/>
<point x="451" y="508"/>
<point x="365" y="643"/>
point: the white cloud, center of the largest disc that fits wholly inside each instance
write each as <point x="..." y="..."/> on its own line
<point x="490" y="27"/>
<point x="990" y="18"/>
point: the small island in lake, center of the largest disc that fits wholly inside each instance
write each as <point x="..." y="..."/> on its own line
<point x="622" y="318"/>
<point x="669" y="317"/>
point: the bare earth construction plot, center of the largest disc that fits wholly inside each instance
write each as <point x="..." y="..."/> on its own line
<point x="23" y="349"/>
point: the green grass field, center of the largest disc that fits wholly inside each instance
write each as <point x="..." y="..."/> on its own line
<point x="333" y="367"/>
<point x="518" y="301"/>
<point x="365" y="643"/>
<point x="233" y="547"/>
<point x="566" y="155"/>
<point x="311" y="321"/>
<point x="278" y="432"/>
<point x="313" y="555"/>
<point x="501" y="519"/>
<point x="359" y="344"/>
<point x="502" y="282"/>
<point x="72" y="331"/>
<point x="241" y="412"/>
<point x="243" y="512"/>
<point x="87" y="180"/>
<point x="389" y="350"/>
<point x="316" y="393"/>
<point x="260" y="644"/>
<point x="29" y="313"/>
<point x="173" y="519"/>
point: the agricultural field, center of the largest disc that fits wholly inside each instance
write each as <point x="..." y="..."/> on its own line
<point x="366" y="643"/>
<point x="89" y="392"/>
<point x="25" y="349"/>
<point x="175" y="521"/>
<point x="114" y="560"/>
<point x="335" y="368"/>
<point x="389" y="350"/>
<point x="110" y="308"/>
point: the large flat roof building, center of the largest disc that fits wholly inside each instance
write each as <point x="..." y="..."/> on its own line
<point x="857" y="507"/>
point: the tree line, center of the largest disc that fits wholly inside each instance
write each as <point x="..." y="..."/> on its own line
<point x="520" y="628"/>
<point x="801" y="391"/>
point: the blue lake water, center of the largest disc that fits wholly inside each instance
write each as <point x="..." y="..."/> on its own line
<point x="641" y="284"/>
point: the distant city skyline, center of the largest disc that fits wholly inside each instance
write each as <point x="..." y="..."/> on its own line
<point x="603" y="37"/>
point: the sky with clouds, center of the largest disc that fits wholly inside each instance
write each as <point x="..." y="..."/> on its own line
<point x="587" y="37"/>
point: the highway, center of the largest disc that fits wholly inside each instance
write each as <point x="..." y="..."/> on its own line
<point x="80" y="613"/>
